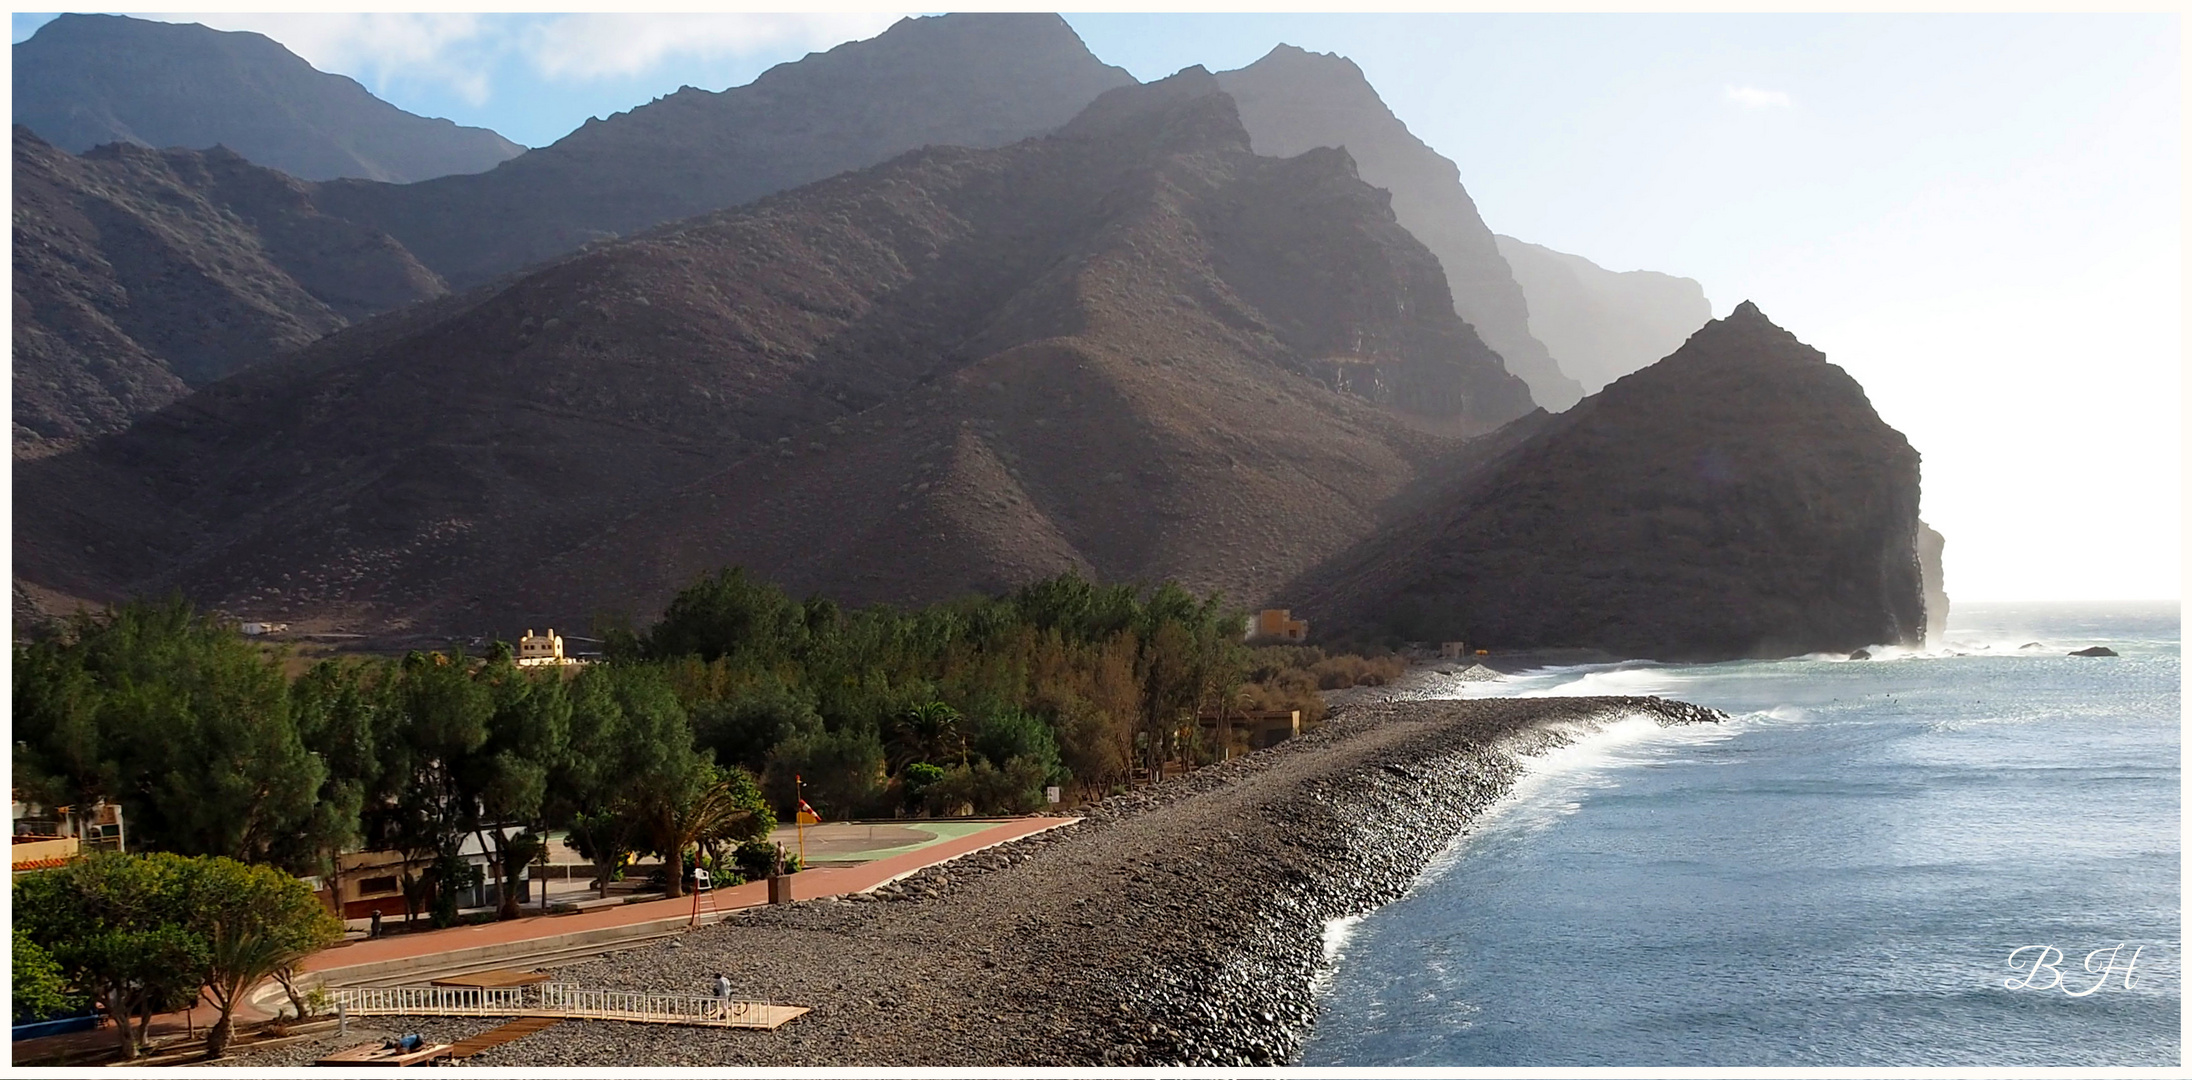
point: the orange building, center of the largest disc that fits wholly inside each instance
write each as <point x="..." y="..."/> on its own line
<point x="1276" y="623"/>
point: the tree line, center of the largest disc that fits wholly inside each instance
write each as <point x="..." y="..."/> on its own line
<point x="688" y="737"/>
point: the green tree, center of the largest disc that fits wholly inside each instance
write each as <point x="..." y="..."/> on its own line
<point x="256" y="922"/>
<point x="345" y="719"/>
<point x="742" y="728"/>
<point x="175" y="716"/>
<point x="121" y="929"/>
<point x="730" y="615"/>
<point x="445" y="723"/>
<point x="843" y="771"/>
<point x="527" y="736"/>
<point x="586" y="784"/>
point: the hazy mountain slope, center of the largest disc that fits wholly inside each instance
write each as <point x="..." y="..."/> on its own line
<point x="86" y="80"/>
<point x="1133" y="347"/>
<point x="979" y="80"/>
<point x="1739" y="498"/>
<point x="1292" y="100"/>
<point x="140" y="273"/>
<point x="1602" y="324"/>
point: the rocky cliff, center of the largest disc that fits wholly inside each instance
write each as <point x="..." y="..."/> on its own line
<point x="87" y="80"/>
<point x="1930" y="545"/>
<point x="1134" y="348"/>
<point x="980" y="80"/>
<point x="1602" y="324"/>
<point x="1293" y="100"/>
<point x="1738" y="498"/>
<point x="141" y="273"/>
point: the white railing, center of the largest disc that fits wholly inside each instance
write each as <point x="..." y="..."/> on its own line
<point x="566" y="999"/>
<point x="563" y="1000"/>
<point x="430" y="1000"/>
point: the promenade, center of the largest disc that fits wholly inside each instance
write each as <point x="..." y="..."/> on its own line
<point x="514" y="939"/>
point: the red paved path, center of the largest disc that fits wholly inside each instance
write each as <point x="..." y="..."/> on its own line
<point x="807" y="885"/>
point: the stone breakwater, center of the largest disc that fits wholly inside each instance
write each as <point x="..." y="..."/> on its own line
<point x="1178" y="925"/>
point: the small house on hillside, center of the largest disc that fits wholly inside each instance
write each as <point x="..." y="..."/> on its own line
<point x="1276" y="623"/>
<point x="542" y="650"/>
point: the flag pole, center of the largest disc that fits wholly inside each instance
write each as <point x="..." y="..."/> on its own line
<point x="799" y="817"/>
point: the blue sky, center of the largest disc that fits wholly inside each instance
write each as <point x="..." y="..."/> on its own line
<point x="1978" y="216"/>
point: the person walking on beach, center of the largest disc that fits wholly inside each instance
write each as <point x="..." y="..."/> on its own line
<point x="723" y="995"/>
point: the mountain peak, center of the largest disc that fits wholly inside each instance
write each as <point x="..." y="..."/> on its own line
<point x="1747" y="335"/>
<point x="1299" y="61"/>
<point x="87" y="80"/>
<point x="1184" y="111"/>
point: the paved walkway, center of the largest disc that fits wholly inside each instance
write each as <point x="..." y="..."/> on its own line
<point x="424" y="945"/>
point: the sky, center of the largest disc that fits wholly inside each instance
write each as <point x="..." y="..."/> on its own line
<point x="1978" y="216"/>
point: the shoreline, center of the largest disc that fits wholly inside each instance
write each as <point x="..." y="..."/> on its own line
<point x="1181" y="924"/>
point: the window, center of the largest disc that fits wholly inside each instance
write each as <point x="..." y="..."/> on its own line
<point x="373" y="886"/>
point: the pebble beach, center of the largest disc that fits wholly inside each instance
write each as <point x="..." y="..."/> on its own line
<point x="1180" y="924"/>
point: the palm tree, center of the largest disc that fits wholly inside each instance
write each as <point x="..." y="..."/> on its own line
<point x="725" y="805"/>
<point x="928" y="733"/>
<point x="245" y="952"/>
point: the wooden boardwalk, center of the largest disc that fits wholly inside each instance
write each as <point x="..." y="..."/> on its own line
<point x="562" y="1001"/>
<point x="507" y="1033"/>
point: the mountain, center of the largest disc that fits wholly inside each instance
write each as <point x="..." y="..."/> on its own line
<point x="139" y="274"/>
<point x="1739" y="498"/>
<point x="1133" y="348"/>
<point x="979" y="80"/>
<point x="1602" y="324"/>
<point x="1293" y="100"/>
<point x="87" y="80"/>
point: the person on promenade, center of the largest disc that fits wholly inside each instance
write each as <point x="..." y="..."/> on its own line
<point x="373" y="930"/>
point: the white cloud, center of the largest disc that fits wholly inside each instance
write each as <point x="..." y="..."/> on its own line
<point x="375" y="48"/>
<point x="610" y="46"/>
<point x="1751" y="97"/>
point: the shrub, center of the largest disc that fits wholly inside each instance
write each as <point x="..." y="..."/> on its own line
<point x="41" y="989"/>
<point x="754" y="859"/>
<point x="916" y="781"/>
<point x="1010" y="734"/>
<point x="983" y="788"/>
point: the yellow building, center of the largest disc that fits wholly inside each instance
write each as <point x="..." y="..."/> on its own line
<point x="542" y="650"/>
<point x="1277" y="623"/>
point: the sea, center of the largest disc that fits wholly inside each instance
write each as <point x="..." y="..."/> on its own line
<point x="1967" y="855"/>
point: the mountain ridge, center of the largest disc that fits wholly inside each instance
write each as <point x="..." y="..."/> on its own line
<point x="140" y="274"/>
<point x="979" y="81"/>
<point x="89" y="80"/>
<point x="1601" y="323"/>
<point x="927" y="354"/>
<point x="1293" y="99"/>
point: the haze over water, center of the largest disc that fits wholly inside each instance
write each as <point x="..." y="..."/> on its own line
<point x="1837" y="877"/>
